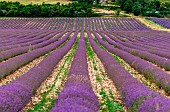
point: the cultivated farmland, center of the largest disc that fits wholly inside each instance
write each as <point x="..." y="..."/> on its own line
<point x="161" y="21"/>
<point x="83" y="65"/>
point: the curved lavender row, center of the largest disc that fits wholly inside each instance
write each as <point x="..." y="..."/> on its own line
<point x="15" y="95"/>
<point x="77" y="95"/>
<point x="21" y="50"/>
<point x="147" y="41"/>
<point x="3" y="33"/>
<point x="18" y="42"/>
<point x="16" y="34"/>
<point x="23" y="39"/>
<point x="13" y="36"/>
<point x="159" y="53"/>
<point x="155" y="36"/>
<point x="151" y="72"/>
<point x="26" y="42"/>
<point x="8" y="32"/>
<point x="161" y="21"/>
<point x="14" y="63"/>
<point x="160" y="61"/>
<point x="159" y="41"/>
<point x="136" y="96"/>
<point x="37" y="40"/>
<point x="155" y="45"/>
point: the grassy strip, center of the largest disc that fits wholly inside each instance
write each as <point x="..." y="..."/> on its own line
<point x="108" y="103"/>
<point x="47" y="103"/>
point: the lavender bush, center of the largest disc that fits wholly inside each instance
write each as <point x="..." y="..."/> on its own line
<point x="15" y="95"/>
<point x="77" y="94"/>
<point x="136" y="96"/>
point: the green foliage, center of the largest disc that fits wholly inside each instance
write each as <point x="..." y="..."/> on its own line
<point x="106" y="7"/>
<point x="90" y="52"/>
<point x="87" y="1"/>
<point x="111" y="105"/>
<point x="98" y="78"/>
<point x="137" y="8"/>
<point x="75" y="9"/>
<point x="120" y="3"/>
<point x="118" y="12"/>
<point x="1" y="13"/>
<point x="99" y="44"/>
<point x="103" y="39"/>
<point x="128" y="6"/>
<point x="155" y="8"/>
<point x="155" y="4"/>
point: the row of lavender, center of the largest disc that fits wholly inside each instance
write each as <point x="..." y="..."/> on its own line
<point x="23" y="55"/>
<point x="9" y="37"/>
<point x="151" y="38"/>
<point x="153" y="42"/>
<point x="77" y="82"/>
<point x="161" y="21"/>
<point x="161" y="60"/>
<point x="151" y="72"/>
<point x="136" y="96"/>
<point x="77" y="95"/>
<point x="31" y="42"/>
<point x="15" y="95"/>
<point x="72" y="23"/>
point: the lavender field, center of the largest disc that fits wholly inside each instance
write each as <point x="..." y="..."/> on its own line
<point x="83" y="65"/>
<point x="161" y="21"/>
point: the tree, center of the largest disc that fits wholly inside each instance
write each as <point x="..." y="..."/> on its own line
<point x="88" y="1"/>
<point x="1" y="13"/>
<point x="118" y="12"/>
<point x="156" y="4"/>
<point x="128" y="6"/>
<point x="120" y="3"/>
<point x="137" y="8"/>
<point x="165" y="6"/>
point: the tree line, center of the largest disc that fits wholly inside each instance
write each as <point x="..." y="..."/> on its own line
<point x="145" y="7"/>
<point x="75" y="9"/>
